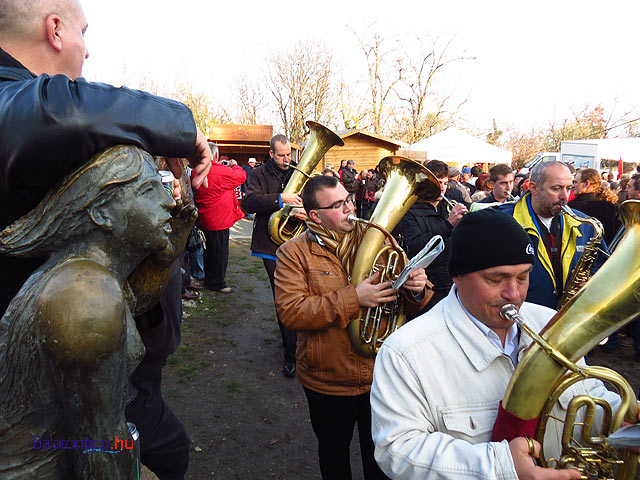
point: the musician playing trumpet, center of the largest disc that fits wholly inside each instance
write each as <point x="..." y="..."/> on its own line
<point x="501" y="179"/>
<point x="314" y="296"/>
<point x="425" y="220"/>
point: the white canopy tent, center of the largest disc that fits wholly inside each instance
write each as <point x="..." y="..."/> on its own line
<point x="457" y="148"/>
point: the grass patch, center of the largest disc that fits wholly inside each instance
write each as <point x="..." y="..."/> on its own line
<point x="233" y="387"/>
<point x="224" y="322"/>
<point x="184" y="354"/>
<point x="188" y="366"/>
<point x="257" y="271"/>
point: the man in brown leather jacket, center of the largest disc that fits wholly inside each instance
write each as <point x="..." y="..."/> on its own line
<point x="315" y="297"/>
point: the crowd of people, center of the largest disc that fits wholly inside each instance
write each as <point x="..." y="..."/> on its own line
<point x="76" y="363"/>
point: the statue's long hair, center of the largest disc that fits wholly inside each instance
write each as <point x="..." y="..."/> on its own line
<point x="64" y="212"/>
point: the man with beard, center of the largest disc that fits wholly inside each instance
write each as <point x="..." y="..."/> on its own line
<point x="559" y="240"/>
<point x="264" y="197"/>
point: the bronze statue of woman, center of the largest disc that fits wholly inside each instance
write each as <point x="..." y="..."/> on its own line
<point x="68" y="341"/>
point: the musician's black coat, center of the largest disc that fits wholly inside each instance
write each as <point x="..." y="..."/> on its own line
<point x="604" y="211"/>
<point x="419" y="225"/>
<point x="50" y="125"/>
<point x="349" y="179"/>
<point x="263" y="198"/>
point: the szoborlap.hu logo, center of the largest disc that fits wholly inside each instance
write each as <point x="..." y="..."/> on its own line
<point x="86" y="445"/>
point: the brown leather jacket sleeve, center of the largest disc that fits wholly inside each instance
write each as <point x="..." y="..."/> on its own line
<point x="412" y="306"/>
<point x="309" y="293"/>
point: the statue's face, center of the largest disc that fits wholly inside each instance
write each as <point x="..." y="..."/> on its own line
<point x="143" y="212"/>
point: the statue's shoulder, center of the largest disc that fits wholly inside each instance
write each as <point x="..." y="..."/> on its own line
<point x="81" y="311"/>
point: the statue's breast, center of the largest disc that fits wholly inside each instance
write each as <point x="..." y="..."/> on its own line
<point x="81" y="311"/>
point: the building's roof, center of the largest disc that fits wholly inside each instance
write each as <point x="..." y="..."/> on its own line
<point x="358" y="131"/>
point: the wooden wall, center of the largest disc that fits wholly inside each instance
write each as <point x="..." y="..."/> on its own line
<point x="365" y="151"/>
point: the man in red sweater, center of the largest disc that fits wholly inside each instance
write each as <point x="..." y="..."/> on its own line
<point x="218" y="211"/>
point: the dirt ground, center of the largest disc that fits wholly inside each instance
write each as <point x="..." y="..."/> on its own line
<point x="245" y="419"/>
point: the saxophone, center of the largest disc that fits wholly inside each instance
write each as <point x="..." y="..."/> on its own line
<point x="583" y="269"/>
<point x="610" y="300"/>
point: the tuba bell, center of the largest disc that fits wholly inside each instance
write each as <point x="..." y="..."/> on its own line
<point x="605" y="304"/>
<point x="283" y="226"/>
<point x="406" y="182"/>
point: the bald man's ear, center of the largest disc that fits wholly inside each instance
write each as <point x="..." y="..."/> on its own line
<point x="53" y="26"/>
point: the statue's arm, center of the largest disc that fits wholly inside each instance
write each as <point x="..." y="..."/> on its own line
<point x="82" y="312"/>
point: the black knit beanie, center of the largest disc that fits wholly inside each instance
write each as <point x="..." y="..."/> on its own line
<point x="488" y="238"/>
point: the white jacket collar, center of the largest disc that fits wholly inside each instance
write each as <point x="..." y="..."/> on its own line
<point x="476" y="346"/>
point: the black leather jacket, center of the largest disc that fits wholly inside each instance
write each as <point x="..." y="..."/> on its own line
<point x="50" y="125"/>
<point x="419" y="225"/>
<point x="263" y="198"/>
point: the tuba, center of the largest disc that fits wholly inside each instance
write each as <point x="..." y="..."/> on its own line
<point x="583" y="268"/>
<point x="282" y="225"/>
<point x="406" y="182"/>
<point x="604" y="305"/>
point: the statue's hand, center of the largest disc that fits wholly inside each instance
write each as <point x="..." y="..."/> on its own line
<point x="183" y="216"/>
<point x="150" y="277"/>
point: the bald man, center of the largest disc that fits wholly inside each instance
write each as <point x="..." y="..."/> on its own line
<point x="52" y="121"/>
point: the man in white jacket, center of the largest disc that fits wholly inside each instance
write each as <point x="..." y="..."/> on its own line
<point x="438" y="380"/>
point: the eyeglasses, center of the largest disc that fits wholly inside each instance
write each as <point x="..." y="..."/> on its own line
<point x="339" y="204"/>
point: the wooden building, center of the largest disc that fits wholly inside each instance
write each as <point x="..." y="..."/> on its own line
<point x="365" y="148"/>
<point x="242" y="142"/>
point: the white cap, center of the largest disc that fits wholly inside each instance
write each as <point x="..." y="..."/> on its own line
<point x="252" y="160"/>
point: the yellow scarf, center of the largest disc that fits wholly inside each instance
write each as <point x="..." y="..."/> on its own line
<point x="343" y="245"/>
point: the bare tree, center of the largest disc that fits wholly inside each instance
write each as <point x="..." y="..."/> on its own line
<point x="587" y="123"/>
<point x="523" y="146"/>
<point x="198" y="103"/>
<point x="205" y="112"/>
<point x="300" y="81"/>
<point x="250" y="99"/>
<point x="352" y="113"/>
<point x="385" y="69"/>
<point x="493" y="137"/>
<point x="429" y="110"/>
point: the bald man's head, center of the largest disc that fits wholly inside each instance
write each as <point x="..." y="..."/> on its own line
<point x="47" y="36"/>
<point x="23" y="18"/>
